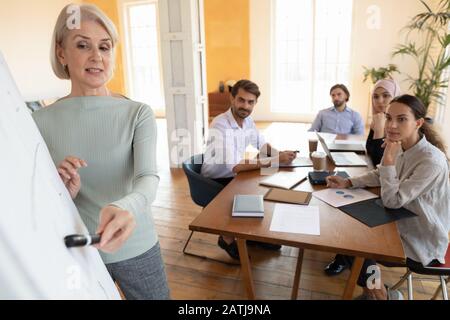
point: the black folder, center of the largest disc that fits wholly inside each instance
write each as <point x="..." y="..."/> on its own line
<point x="320" y="177"/>
<point x="373" y="214"/>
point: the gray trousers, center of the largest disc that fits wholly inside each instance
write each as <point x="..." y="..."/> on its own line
<point x="142" y="277"/>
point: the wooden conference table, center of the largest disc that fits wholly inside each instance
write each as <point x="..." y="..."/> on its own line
<point x="339" y="233"/>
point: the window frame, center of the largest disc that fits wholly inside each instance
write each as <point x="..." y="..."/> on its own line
<point x="124" y="14"/>
<point x="273" y="71"/>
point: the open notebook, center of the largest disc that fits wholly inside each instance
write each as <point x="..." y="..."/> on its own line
<point x="284" y="180"/>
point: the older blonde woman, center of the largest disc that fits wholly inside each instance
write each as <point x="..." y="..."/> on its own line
<point x="105" y="148"/>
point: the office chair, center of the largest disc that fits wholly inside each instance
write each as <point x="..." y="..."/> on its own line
<point x="203" y="191"/>
<point x="441" y="270"/>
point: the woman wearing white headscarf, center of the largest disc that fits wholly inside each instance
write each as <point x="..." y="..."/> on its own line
<point x="383" y="93"/>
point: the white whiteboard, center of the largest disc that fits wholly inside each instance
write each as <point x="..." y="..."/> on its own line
<point x="36" y="213"/>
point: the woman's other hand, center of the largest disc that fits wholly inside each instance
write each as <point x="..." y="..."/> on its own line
<point x="68" y="171"/>
<point x="378" y="123"/>
<point x="391" y="149"/>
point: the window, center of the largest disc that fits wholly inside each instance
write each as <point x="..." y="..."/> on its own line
<point x="311" y="52"/>
<point x="142" y="46"/>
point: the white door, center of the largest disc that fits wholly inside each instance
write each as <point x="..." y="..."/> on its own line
<point x="37" y="213"/>
<point x="184" y="73"/>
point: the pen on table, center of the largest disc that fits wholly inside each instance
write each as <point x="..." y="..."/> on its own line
<point x="79" y="240"/>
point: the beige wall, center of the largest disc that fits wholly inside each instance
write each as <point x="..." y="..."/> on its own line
<point x="26" y="28"/>
<point x="373" y="48"/>
<point x="370" y="48"/>
<point x="260" y="57"/>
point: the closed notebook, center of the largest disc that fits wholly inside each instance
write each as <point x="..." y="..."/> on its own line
<point x="248" y="206"/>
<point x="288" y="196"/>
<point x="372" y="213"/>
<point x="283" y="180"/>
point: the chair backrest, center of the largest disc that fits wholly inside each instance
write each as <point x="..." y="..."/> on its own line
<point x="202" y="189"/>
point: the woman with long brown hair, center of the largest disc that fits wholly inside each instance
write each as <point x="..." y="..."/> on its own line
<point x="414" y="174"/>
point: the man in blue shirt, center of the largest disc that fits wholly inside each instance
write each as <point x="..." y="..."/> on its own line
<point x="339" y="119"/>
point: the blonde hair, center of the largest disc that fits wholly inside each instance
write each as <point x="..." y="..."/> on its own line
<point x="88" y="12"/>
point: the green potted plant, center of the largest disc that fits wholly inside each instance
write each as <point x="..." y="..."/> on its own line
<point x="380" y="73"/>
<point x="431" y="54"/>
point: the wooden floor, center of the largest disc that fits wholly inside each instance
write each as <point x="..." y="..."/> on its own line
<point x="198" y="278"/>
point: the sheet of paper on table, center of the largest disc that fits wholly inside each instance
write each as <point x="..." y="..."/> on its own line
<point x="296" y="219"/>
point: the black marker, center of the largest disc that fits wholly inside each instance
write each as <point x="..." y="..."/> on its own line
<point x="79" y="240"/>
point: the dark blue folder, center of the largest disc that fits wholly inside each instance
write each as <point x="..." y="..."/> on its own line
<point x="372" y="212"/>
